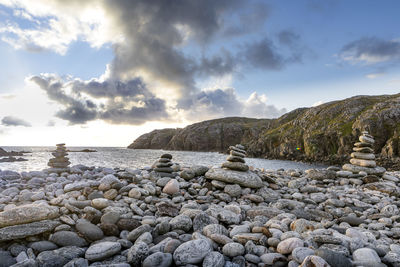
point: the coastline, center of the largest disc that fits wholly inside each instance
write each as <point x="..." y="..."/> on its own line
<point x="123" y="217"/>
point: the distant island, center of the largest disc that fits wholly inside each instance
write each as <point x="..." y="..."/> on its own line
<point x="324" y="133"/>
<point x="86" y="150"/>
<point x="11" y="156"/>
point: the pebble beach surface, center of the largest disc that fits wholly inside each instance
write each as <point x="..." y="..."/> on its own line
<point x="131" y="217"/>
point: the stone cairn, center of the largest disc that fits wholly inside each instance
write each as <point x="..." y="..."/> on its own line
<point x="163" y="166"/>
<point x="363" y="158"/>
<point x="235" y="161"/>
<point x="60" y="161"/>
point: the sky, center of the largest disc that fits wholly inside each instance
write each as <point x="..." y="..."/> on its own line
<point x="103" y="72"/>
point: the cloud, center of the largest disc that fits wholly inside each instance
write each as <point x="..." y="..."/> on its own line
<point x="14" y="121"/>
<point x="51" y="123"/>
<point x="225" y="102"/>
<point x="152" y="73"/>
<point x="120" y="103"/>
<point x="317" y="103"/>
<point x="263" y="54"/>
<point x="371" y="50"/>
<point x="374" y="75"/>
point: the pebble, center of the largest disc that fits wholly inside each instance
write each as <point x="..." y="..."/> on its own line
<point x="102" y="250"/>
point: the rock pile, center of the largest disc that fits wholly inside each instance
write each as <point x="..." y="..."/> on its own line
<point x="235" y="170"/>
<point x="60" y="162"/>
<point x="235" y="161"/>
<point x="363" y="158"/>
<point x="163" y="166"/>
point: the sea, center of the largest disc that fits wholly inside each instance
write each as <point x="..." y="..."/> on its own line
<point x="113" y="157"/>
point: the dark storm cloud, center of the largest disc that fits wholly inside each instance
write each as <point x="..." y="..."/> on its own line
<point x="154" y="30"/>
<point x="14" y="121"/>
<point x="288" y="38"/>
<point x="129" y="102"/>
<point x="371" y="50"/>
<point x="111" y="88"/>
<point x="263" y="54"/>
<point x="76" y="111"/>
<point x="248" y="21"/>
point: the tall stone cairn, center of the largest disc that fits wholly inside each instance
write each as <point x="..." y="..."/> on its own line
<point x="363" y="158"/>
<point x="163" y="166"/>
<point x="235" y="161"/>
<point x="60" y="161"/>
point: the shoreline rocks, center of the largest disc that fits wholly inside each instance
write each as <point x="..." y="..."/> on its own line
<point x="95" y="216"/>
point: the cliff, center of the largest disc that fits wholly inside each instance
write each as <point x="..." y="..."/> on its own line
<point x="325" y="133"/>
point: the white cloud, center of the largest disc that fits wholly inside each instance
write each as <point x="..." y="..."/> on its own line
<point x="374" y="75"/>
<point x="56" y="24"/>
<point x="318" y="103"/>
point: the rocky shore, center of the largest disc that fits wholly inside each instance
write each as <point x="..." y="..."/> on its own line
<point x="93" y="216"/>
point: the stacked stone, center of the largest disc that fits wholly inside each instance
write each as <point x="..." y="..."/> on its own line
<point x="363" y="158"/>
<point x="163" y="166"/>
<point x="235" y="161"/>
<point x="60" y="161"/>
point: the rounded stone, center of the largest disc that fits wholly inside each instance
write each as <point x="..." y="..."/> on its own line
<point x="182" y="222"/>
<point x="103" y="250"/>
<point x="233" y="249"/>
<point x="300" y="253"/>
<point x="111" y="194"/>
<point x="158" y="259"/>
<point x="366" y="254"/>
<point x="214" y="259"/>
<point x="172" y="187"/>
<point x="89" y="230"/>
<point x="192" y="252"/>
<point x="100" y="203"/>
<point x="288" y="245"/>
<point x="67" y="238"/>
<point x="110" y="217"/>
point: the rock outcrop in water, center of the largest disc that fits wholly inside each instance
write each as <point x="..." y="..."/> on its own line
<point x="325" y="133"/>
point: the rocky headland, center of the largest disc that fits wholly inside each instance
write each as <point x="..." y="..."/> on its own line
<point x="325" y="133"/>
<point x="166" y="215"/>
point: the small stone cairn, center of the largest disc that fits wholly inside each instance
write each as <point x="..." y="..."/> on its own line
<point x="363" y="158"/>
<point x="163" y="166"/>
<point x="60" y="162"/>
<point x="235" y="161"/>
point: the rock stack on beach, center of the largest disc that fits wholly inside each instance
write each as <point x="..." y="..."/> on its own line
<point x="235" y="171"/>
<point x="235" y="161"/>
<point x="363" y="158"/>
<point x="163" y="166"/>
<point x="60" y="162"/>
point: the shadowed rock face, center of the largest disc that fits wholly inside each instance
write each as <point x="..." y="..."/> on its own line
<point x="325" y="133"/>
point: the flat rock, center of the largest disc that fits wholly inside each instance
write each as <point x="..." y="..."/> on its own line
<point x="67" y="238"/>
<point x="102" y="250"/>
<point x="59" y="257"/>
<point x="363" y="149"/>
<point x="238" y="166"/>
<point x="356" y="169"/>
<point x="27" y="214"/>
<point x="359" y="155"/>
<point x="25" y="230"/>
<point x="245" y="179"/>
<point x="363" y="162"/>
